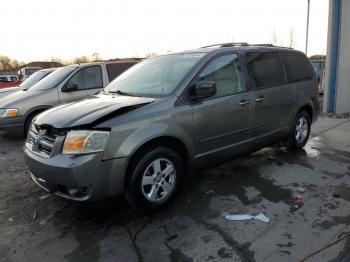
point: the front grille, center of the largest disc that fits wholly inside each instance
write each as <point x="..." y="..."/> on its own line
<point x="41" y="139"/>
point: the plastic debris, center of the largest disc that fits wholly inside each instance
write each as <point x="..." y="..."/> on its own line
<point x="301" y="190"/>
<point x="261" y="217"/>
<point x="299" y="201"/>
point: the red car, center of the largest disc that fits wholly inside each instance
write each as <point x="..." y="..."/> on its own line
<point x="9" y="81"/>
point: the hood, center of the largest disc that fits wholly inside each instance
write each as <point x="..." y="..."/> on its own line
<point x="87" y="111"/>
<point x="14" y="98"/>
<point x="9" y="89"/>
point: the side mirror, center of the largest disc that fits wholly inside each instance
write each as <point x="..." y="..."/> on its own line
<point x="203" y="90"/>
<point x="69" y="87"/>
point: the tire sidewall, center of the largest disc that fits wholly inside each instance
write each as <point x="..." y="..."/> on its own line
<point x="305" y="115"/>
<point x="137" y="169"/>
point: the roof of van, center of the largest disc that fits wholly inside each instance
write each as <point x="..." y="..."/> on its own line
<point x="238" y="47"/>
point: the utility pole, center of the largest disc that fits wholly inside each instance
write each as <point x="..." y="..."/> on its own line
<point x="307" y="26"/>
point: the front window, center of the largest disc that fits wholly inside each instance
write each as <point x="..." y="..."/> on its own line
<point x="54" y="79"/>
<point x="227" y="73"/>
<point x="33" y="79"/>
<point x="88" y="78"/>
<point x="155" y="77"/>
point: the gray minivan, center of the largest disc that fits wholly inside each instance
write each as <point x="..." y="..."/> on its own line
<point x="66" y="84"/>
<point x="171" y="115"/>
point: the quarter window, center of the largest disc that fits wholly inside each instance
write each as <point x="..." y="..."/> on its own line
<point x="297" y="66"/>
<point x="264" y="69"/>
<point x="226" y="72"/>
<point x="88" y="78"/>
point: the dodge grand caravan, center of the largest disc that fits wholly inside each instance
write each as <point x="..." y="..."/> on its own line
<point x="171" y="115"/>
<point x="66" y="84"/>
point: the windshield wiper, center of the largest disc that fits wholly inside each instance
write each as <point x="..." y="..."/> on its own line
<point x="119" y="92"/>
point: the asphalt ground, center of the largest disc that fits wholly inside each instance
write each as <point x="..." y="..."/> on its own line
<point x="35" y="226"/>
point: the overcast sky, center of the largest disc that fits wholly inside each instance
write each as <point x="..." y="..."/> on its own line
<point x="41" y="29"/>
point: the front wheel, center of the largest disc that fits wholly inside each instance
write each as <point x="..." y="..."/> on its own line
<point x="300" y="132"/>
<point x="153" y="178"/>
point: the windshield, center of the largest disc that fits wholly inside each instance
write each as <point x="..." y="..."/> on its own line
<point x="155" y="77"/>
<point x="54" y="79"/>
<point x="33" y="79"/>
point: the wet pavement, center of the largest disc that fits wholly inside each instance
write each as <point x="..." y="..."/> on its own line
<point x="35" y="226"/>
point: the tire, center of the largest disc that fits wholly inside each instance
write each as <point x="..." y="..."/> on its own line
<point x="300" y="131"/>
<point x="153" y="177"/>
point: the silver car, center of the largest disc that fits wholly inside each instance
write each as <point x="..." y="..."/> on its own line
<point x="171" y="115"/>
<point x="28" y="83"/>
<point x="66" y="84"/>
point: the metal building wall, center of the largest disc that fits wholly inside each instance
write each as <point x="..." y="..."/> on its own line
<point x="337" y="78"/>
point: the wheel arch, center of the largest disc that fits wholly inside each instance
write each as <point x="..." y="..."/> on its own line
<point x="34" y="111"/>
<point x="308" y="108"/>
<point x="168" y="141"/>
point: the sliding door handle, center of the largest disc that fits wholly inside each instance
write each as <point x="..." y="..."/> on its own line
<point x="244" y="102"/>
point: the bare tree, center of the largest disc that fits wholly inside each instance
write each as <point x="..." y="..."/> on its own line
<point x="274" y="38"/>
<point x="150" y="54"/>
<point x="80" y="60"/>
<point x="96" y="57"/>
<point x="291" y="43"/>
<point x="5" y="63"/>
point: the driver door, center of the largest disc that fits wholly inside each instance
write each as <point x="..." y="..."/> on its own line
<point x="87" y="81"/>
<point x="223" y="123"/>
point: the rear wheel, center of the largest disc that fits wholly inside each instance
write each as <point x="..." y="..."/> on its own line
<point x="153" y="178"/>
<point x="300" y="131"/>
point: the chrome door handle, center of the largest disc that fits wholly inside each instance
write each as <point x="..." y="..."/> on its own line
<point x="243" y="103"/>
<point x="259" y="99"/>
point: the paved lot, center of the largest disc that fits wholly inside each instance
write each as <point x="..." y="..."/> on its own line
<point x="35" y="226"/>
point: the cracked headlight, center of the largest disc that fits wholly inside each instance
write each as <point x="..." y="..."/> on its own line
<point x="85" y="142"/>
<point x="8" y="112"/>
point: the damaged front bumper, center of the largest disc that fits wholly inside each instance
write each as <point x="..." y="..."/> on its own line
<point x="85" y="178"/>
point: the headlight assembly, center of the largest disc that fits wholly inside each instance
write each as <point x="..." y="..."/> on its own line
<point x="85" y="142"/>
<point x="8" y="112"/>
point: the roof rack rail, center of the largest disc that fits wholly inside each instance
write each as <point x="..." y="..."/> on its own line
<point x="243" y="44"/>
<point x="271" y="45"/>
<point x="227" y="44"/>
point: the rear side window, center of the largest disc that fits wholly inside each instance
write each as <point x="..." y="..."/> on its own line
<point x="264" y="69"/>
<point x="298" y="67"/>
<point x="114" y="70"/>
<point x="13" y="79"/>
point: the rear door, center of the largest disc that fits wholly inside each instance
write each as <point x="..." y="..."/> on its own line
<point x="88" y="81"/>
<point x="224" y="121"/>
<point x="273" y="97"/>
